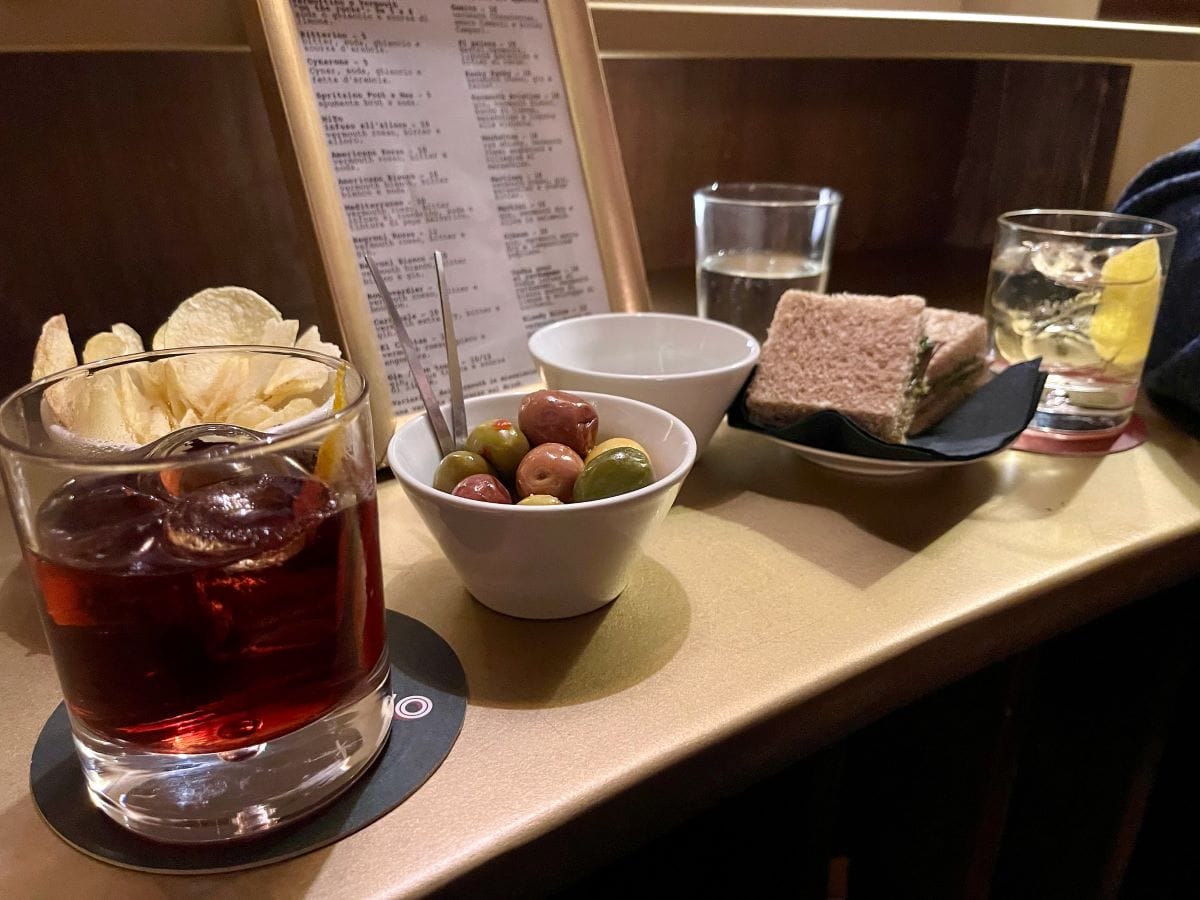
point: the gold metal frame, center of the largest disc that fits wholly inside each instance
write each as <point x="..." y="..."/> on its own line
<point x="291" y="103"/>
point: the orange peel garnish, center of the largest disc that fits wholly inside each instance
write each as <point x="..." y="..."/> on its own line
<point x="333" y="448"/>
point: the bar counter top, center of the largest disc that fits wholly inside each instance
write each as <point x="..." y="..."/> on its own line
<point x="778" y="607"/>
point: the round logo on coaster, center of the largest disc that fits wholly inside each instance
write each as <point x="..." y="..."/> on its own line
<point x="431" y="703"/>
<point x="413" y="707"/>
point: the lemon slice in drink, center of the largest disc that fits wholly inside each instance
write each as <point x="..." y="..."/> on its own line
<point x="1124" y="318"/>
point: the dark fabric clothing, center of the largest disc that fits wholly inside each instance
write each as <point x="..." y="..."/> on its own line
<point x="1169" y="190"/>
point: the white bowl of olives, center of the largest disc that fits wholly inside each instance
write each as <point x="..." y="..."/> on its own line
<point x="544" y="511"/>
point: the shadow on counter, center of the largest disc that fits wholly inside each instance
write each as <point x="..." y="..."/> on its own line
<point x="903" y="514"/>
<point x="519" y="663"/>
<point x="18" y="611"/>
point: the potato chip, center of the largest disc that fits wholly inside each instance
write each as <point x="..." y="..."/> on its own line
<point x="144" y="401"/>
<point x="275" y="334"/>
<point x="54" y="351"/>
<point x="159" y="382"/>
<point x="146" y="419"/>
<point x="151" y="377"/>
<point x="63" y="397"/>
<point x="121" y="341"/>
<point x="130" y="337"/>
<point x="228" y="389"/>
<point x="98" y="413"/>
<point x="224" y="315"/>
<point x="294" y="409"/>
<point x="207" y="384"/>
<point x="279" y="334"/>
<point x="103" y="346"/>
<point x="311" y="340"/>
<point x="296" y="377"/>
<point x="249" y="414"/>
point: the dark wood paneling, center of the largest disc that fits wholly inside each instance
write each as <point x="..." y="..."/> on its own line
<point x="924" y="151"/>
<point x="1039" y="135"/>
<point x="887" y="134"/>
<point x="128" y="182"/>
<point x="1179" y="12"/>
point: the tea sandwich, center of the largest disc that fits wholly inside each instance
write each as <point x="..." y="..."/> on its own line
<point x="892" y="365"/>
<point x="859" y="354"/>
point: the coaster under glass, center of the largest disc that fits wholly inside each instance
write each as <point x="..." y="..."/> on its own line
<point x="1132" y="435"/>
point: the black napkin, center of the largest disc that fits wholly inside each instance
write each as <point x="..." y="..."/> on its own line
<point x="1169" y="190"/>
<point x="986" y="421"/>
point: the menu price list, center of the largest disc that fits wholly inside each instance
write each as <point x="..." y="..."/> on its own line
<point x="448" y="129"/>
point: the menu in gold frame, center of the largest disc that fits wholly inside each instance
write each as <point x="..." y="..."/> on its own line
<point x="448" y="129"/>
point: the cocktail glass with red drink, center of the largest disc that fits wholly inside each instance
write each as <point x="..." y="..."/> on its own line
<point x="213" y="602"/>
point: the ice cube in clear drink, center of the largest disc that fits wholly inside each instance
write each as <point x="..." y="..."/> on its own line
<point x="1014" y="259"/>
<point x="1069" y="264"/>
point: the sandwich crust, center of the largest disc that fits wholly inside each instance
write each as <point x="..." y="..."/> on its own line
<point x="957" y="336"/>
<point x="854" y="353"/>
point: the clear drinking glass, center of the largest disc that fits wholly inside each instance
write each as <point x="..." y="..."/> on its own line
<point x="213" y="601"/>
<point x="755" y="241"/>
<point x="1080" y="290"/>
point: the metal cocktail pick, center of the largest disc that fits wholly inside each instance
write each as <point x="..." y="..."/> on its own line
<point x="458" y="412"/>
<point x="445" y="441"/>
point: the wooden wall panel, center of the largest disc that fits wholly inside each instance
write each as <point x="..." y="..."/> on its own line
<point x="1039" y="135"/>
<point x="128" y="182"/>
<point x="926" y="152"/>
<point x="887" y="134"/>
<point x="1178" y="12"/>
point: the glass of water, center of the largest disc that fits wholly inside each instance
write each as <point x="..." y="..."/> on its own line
<point x="755" y="241"/>
<point x="1079" y="290"/>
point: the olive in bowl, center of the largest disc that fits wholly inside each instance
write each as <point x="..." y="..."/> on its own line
<point x="546" y="560"/>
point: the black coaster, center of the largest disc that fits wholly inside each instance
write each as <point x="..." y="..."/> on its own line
<point x="431" y="702"/>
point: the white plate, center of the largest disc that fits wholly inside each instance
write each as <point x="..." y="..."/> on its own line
<point x="866" y="465"/>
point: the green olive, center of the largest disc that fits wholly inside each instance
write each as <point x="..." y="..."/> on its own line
<point x="500" y="443"/>
<point x="456" y="466"/>
<point x="539" y="500"/>
<point x="616" y="471"/>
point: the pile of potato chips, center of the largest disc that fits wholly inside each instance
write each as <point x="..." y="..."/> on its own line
<point x="140" y="402"/>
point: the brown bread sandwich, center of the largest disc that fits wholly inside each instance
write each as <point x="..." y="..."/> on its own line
<point x="957" y="368"/>
<point x="862" y="355"/>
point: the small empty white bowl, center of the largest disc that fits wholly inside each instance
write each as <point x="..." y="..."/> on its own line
<point x="688" y="366"/>
<point x="546" y="562"/>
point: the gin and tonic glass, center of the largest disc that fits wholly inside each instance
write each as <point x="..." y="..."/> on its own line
<point x="1079" y="290"/>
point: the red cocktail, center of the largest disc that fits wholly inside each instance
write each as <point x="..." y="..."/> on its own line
<point x="209" y="621"/>
<point x="213" y="602"/>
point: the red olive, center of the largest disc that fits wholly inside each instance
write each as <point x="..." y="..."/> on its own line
<point x="559" y="417"/>
<point x="549" y="469"/>
<point x="486" y="488"/>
